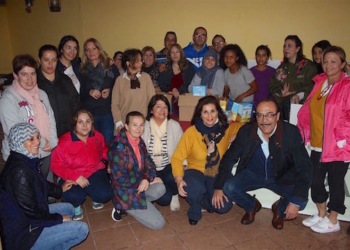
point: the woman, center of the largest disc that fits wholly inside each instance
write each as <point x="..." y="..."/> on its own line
<point x="23" y="101"/>
<point x="63" y="97"/>
<point x="117" y="67"/>
<point x="292" y="81"/>
<point x="317" y="51"/>
<point x="150" y="65"/>
<point x="27" y="221"/>
<point x="133" y="175"/>
<point x="325" y="124"/>
<point x="132" y="91"/>
<point x="203" y="145"/>
<point x="240" y="84"/>
<point x="177" y="76"/>
<point x="161" y="136"/>
<point x="96" y="86"/>
<point x="209" y="75"/>
<point x="68" y="62"/>
<point x="81" y="157"/>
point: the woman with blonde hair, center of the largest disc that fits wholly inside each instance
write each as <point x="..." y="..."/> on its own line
<point x="96" y="87"/>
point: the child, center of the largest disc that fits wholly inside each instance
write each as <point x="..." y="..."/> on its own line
<point x="133" y="175"/>
<point x="240" y="84"/>
<point x="262" y="73"/>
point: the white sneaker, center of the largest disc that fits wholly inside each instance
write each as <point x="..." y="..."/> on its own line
<point x="175" y="203"/>
<point x="312" y="220"/>
<point x="325" y="226"/>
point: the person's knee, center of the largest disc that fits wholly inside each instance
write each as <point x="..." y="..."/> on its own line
<point x="230" y="187"/>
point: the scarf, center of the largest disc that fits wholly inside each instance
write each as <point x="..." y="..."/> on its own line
<point x="206" y="75"/>
<point x="96" y="75"/>
<point x="135" y="146"/>
<point x="41" y="118"/>
<point x="211" y="136"/>
<point x="134" y="80"/>
<point x="158" y="132"/>
<point x="18" y="134"/>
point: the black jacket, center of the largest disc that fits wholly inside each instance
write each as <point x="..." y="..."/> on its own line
<point x="64" y="99"/>
<point x="75" y="65"/>
<point x="288" y="157"/>
<point x="24" y="211"/>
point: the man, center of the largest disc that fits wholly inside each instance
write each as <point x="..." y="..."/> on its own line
<point x="195" y="50"/>
<point x="271" y="155"/>
<point x="169" y="39"/>
<point x="218" y="43"/>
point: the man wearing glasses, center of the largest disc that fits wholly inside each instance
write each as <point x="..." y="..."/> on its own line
<point x="195" y="50"/>
<point x="271" y="155"/>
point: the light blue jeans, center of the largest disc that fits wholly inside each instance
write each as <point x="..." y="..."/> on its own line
<point x="65" y="235"/>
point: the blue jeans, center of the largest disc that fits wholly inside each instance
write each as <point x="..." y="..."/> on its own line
<point x="236" y="189"/>
<point x="65" y="235"/>
<point x="169" y="182"/>
<point x="105" y="125"/>
<point x="99" y="190"/>
<point x="200" y="190"/>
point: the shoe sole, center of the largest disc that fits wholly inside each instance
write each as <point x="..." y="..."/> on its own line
<point x="113" y="216"/>
<point x="97" y="208"/>
<point x="308" y="225"/>
<point x="77" y="218"/>
<point x="326" y="232"/>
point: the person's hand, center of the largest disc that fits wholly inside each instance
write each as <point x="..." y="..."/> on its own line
<point x="239" y="99"/>
<point x="180" y="187"/>
<point x="82" y="181"/>
<point x="119" y="128"/>
<point x="67" y="185"/>
<point x="161" y="67"/>
<point x="109" y="168"/>
<point x="156" y="180"/>
<point x="208" y="91"/>
<point x="176" y="93"/>
<point x="291" y="211"/>
<point x="95" y="93"/>
<point x="223" y="98"/>
<point x="105" y="93"/>
<point x="285" y="90"/>
<point x="295" y="99"/>
<point x="47" y="147"/>
<point x="218" y="199"/>
<point x="66" y="218"/>
<point x="144" y="184"/>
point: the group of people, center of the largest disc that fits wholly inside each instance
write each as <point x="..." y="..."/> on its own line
<point x="105" y="131"/>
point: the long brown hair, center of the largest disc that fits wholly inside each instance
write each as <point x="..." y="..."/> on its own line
<point x="183" y="64"/>
<point x="103" y="55"/>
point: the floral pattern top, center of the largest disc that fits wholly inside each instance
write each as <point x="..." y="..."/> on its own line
<point x="299" y="77"/>
<point x="126" y="174"/>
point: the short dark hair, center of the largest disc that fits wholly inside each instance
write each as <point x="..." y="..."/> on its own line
<point x="264" y="47"/>
<point x="323" y="44"/>
<point x="47" y="47"/>
<point x="200" y="27"/>
<point x="133" y="113"/>
<point x="64" y="40"/>
<point x="152" y="103"/>
<point x="116" y="54"/>
<point x="23" y="60"/>
<point x="242" y="60"/>
<point x="130" y="55"/>
<point x="217" y="35"/>
<point x="75" y="119"/>
<point x="298" y="43"/>
<point x="269" y="100"/>
<point x="209" y="100"/>
<point x="170" y="33"/>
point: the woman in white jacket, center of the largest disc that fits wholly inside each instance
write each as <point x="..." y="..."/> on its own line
<point x="161" y="136"/>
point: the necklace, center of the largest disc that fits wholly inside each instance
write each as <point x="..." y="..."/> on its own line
<point x="324" y="91"/>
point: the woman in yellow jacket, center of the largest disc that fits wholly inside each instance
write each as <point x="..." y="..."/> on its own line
<point x="203" y="145"/>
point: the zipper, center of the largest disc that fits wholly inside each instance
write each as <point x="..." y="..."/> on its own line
<point x="251" y="155"/>
<point x="266" y="167"/>
<point x="32" y="229"/>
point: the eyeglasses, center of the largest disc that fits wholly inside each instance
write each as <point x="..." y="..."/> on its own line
<point x="200" y="35"/>
<point x="268" y="116"/>
<point x="158" y="107"/>
<point x="218" y="43"/>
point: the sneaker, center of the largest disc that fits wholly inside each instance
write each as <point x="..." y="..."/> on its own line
<point x="175" y="203"/>
<point x="78" y="214"/>
<point x="96" y="205"/>
<point x="325" y="226"/>
<point x="116" y="215"/>
<point x="312" y="220"/>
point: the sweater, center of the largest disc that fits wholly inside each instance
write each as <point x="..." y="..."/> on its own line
<point x="15" y="109"/>
<point x="63" y="97"/>
<point x="218" y="84"/>
<point x="195" y="57"/>
<point x="192" y="148"/>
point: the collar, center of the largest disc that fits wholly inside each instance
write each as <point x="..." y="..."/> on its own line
<point x="125" y="75"/>
<point x="76" y="138"/>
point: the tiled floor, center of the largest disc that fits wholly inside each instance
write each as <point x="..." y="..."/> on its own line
<point x="212" y="232"/>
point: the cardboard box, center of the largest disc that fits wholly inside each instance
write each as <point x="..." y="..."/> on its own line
<point x="187" y="103"/>
<point x="199" y="91"/>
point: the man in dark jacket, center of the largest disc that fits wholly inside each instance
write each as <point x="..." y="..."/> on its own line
<point x="271" y="155"/>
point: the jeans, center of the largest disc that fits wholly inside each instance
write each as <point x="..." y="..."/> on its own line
<point x="236" y="189"/>
<point x="200" y="190"/>
<point x="169" y="182"/>
<point x="99" y="190"/>
<point x="65" y="235"/>
<point x="105" y="125"/>
<point x="150" y="217"/>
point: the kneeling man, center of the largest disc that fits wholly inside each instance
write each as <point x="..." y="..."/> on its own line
<point x="271" y="155"/>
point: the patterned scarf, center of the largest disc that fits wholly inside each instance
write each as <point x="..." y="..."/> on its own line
<point x="158" y="132"/>
<point x="19" y="133"/>
<point x="206" y="75"/>
<point x="211" y="136"/>
<point x="96" y="75"/>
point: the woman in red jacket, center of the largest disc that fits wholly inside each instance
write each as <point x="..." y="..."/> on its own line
<point x="81" y="156"/>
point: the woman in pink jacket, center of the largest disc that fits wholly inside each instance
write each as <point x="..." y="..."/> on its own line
<point x="81" y="156"/>
<point x="324" y="121"/>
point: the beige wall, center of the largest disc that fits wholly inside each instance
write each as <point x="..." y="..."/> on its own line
<point x="119" y="24"/>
